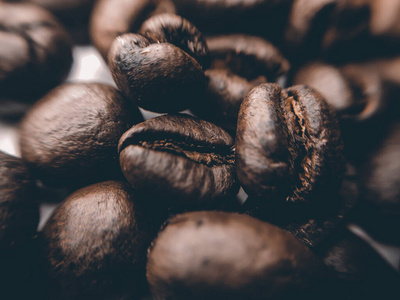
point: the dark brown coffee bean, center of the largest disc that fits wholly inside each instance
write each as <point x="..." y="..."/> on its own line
<point x="363" y="273"/>
<point x="288" y="146"/>
<point x="179" y="157"/>
<point x="73" y="14"/>
<point x="381" y="173"/>
<point x="173" y="29"/>
<point x="19" y="213"/>
<point x="233" y="16"/>
<point x="306" y="25"/>
<point x="354" y="91"/>
<point x="157" y="77"/>
<point x="219" y="255"/>
<point x="380" y="181"/>
<point x="247" y="56"/>
<point x="95" y="244"/>
<point x="111" y="18"/>
<point x="35" y="53"/>
<point x="19" y="218"/>
<point x="70" y="137"/>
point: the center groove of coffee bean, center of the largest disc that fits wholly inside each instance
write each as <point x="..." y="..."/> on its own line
<point x="301" y="161"/>
<point x="209" y="155"/>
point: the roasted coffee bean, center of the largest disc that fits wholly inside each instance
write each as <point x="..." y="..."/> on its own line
<point x="247" y="56"/>
<point x="95" y="244"/>
<point x="35" y="54"/>
<point x="187" y="160"/>
<point x="381" y="173"/>
<point x="111" y="18"/>
<point x="363" y="273"/>
<point x="70" y="137"/>
<point x="347" y="37"/>
<point x="251" y="17"/>
<point x="380" y="187"/>
<point x="73" y="14"/>
<point x="288" y="147"/>
<point x="19" y="213"/>
<point x="173" y="29"/>
<point x="306" y="25"/>
<point x="157" y="77"/>
<point x="19" y="218"/>
<point x="354" y="91"/>
<point x="219" y="255"/>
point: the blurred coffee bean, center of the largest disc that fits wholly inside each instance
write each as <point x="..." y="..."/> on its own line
<point x="363" y="273"/>
<point x="308" y="21"/>
<point x="380" y="187"/>
<point x="354" y="91"/>
<point x="19" y="218"/>
<point x="111" y="18"/>
<point x="35" y="55"/>
<point x="260" y="17"/>
<point x="70" y="137"/>
<point x="218" y="255"/>
<point x="73" y="14"/>
<point x="19" y="214"/>
<point x="179" y="159"/>
<point x="381" y="173"/>
<point x="288" y="147"/>
<point x="361" y="30"/>
<point x="157" y="77"/>
<point x="247" y="56"/>
<point x="95" y="244"/>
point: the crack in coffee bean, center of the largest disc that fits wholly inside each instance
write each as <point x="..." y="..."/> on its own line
<point x="203" y="154"/>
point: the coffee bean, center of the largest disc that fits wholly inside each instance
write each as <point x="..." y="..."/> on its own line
<point x="95" y="244"/>
<point x="73" y="14"/>
<point x="173" y="29"/>
<point x="184" y="159"/>
<point x="363" y="273"/>
<point x="308" y="21"/>
<point x="219" y="255"/>
<point x="70" y="137"/>
<point x="355" y="91"/>
<point x="247" y="56"/>
<point x="381" y="173"/>
<point x="19" y="218"/>
<point x="19" y="214"/>
<point x="288" y="146"/>
<point x="35" y="53"/>
<point x="111" y="18"/>
<point x="233" y="16"/>
<point x="157" y="77"/>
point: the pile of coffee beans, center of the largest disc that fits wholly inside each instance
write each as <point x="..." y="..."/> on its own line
<point x="277" y="126"/>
